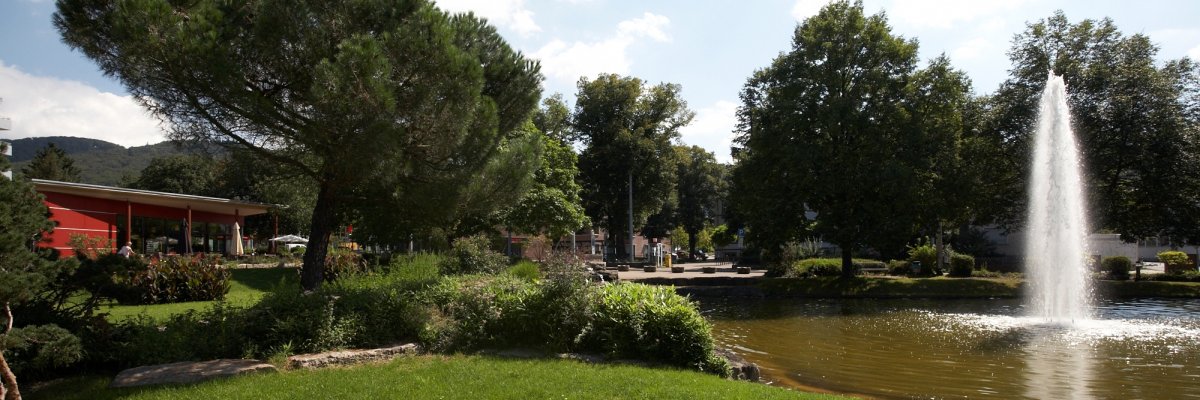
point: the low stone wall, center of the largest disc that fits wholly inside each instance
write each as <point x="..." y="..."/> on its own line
<point x="347" y="357"/>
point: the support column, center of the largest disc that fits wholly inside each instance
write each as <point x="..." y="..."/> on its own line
<point x="188" y="234"/>
<point x="129" y="222"/>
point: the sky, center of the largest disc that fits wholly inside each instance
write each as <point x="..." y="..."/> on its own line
<point x="709" y="47"/>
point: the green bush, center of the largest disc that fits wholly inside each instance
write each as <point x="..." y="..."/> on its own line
<point x="961" y="265"/>
<point x="1117" y="267"/>
<point x="525" y="270"/>
<point x="862" y="263"/>
<point x="167" y="279"/>
<point x="1175" y="261"/>
<point x="925" y="253"/>
<point x="561" y="312"/>
<point x="814" y="267"/>
<point x="898" y="268"/>
<point x="652" y="322"/>
<point x="342" y="262"/>
<point x="472" y="255"/>
<point x="1185" y="276"/>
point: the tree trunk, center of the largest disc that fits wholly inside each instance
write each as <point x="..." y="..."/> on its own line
<point x="847" y="262"/>
<point x="692" y="245"/>
<point x="8" y="381"/>
<point x="941" y="248"/>
<point x="324" y="221"/>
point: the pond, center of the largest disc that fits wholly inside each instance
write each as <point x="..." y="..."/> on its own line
<point x="1146" y="348"/>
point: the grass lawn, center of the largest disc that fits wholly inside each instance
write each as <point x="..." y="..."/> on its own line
<point x="445" y="377"/>
<point x="246" y="287"/>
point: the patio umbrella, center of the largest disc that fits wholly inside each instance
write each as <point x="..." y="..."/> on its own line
<point x="237" y="239"/>
<point x="290" y="239"/>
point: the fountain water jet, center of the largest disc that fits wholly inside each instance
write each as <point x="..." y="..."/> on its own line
<point x="1056" y="247"/>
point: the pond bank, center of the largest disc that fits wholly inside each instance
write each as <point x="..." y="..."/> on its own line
<point x="892" y="287"/>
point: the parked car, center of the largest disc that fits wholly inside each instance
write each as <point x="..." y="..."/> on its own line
<point x="700" y="255"/>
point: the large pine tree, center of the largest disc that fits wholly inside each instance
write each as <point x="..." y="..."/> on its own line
<point x="378" y="103"/>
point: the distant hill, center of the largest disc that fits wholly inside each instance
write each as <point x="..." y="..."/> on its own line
<point x="25" y="149"/>
<point x="101" y="162"/>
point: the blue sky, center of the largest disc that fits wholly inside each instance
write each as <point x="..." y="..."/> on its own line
<point x="707" y="46"/>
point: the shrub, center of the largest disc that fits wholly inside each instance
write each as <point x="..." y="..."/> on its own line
<point x="1117" y="267"/>
<point x="167" y="279"/>
<point x="898" y="268"/>
<point x="925" y="253"/>
<point x="472" y="255"/>
<point x="340" y="263"/>
<point x="636" y="320"/>
<point x="562" y="312"/>
<point x="814" y="267"/>
<point x="418" y="269"/>
<point x="525" y="270"/>
<point x="1185" y="276"/>
<point x="1175" y="261"/>
<point x="961" y="265"/>
<point x="863" y="263"/>
<point x="796" y="251"/>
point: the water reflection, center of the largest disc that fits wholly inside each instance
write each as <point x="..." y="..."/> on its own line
<point x="1055" y="368"/>
<point x="967" y="349"/>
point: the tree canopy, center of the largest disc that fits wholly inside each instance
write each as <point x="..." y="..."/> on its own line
<point x="552" y="205"/>
<point x="51" y="163"/>
<point x="843" y="138"/>
<point x="1135" y="122"/>
<point x="627" y="130"/>
<point x="395" y="99"/>
<point x="698" y="186"/>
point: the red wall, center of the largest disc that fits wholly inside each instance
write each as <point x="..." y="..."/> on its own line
<point x="98" y="217"/>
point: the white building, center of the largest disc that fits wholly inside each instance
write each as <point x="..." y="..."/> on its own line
<point x="5" y="147"/>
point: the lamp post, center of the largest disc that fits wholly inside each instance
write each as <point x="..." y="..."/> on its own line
<point x="631" y="248"/>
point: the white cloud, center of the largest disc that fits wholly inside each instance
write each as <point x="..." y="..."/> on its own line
<point x="568" y="62"/>
<point x="712" y="129"/>
<point x="971" y="49"/>
<point x="945" y="14"/>
<point x="1194" y="53"/>
<point x="510" y="14"/>
<point x="807" y="8"/>
<point x="42" y="106"/>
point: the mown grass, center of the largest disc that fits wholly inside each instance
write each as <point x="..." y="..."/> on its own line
<point x="246" y="288"/>
<point x="445" y="377"/>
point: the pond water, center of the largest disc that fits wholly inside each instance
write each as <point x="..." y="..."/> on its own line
<point x="1148" y="348"/>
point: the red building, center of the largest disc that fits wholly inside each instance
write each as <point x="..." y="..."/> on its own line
<point x="156" y="222"/>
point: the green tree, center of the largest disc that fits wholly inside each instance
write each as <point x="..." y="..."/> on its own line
<point x="393" y="99"/>
<point x="24" y="274"/>
<point x="1134" y="120"/>
<point x="552" y="205"/>
<point x="51" y="163"/>
<point x="825" y="129"/>
<point x="554" y="119"/>
<point x="627" y="131"/>
<point x="698" y="185"/>
<point x="187" y="174"/>
<point x="938" y="99"/>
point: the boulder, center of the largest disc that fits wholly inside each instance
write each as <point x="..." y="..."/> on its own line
<point x="187" y="372"/>
<point x="739" y="368"/>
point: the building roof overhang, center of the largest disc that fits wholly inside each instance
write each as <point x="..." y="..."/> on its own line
<point x="198" y="203"/>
